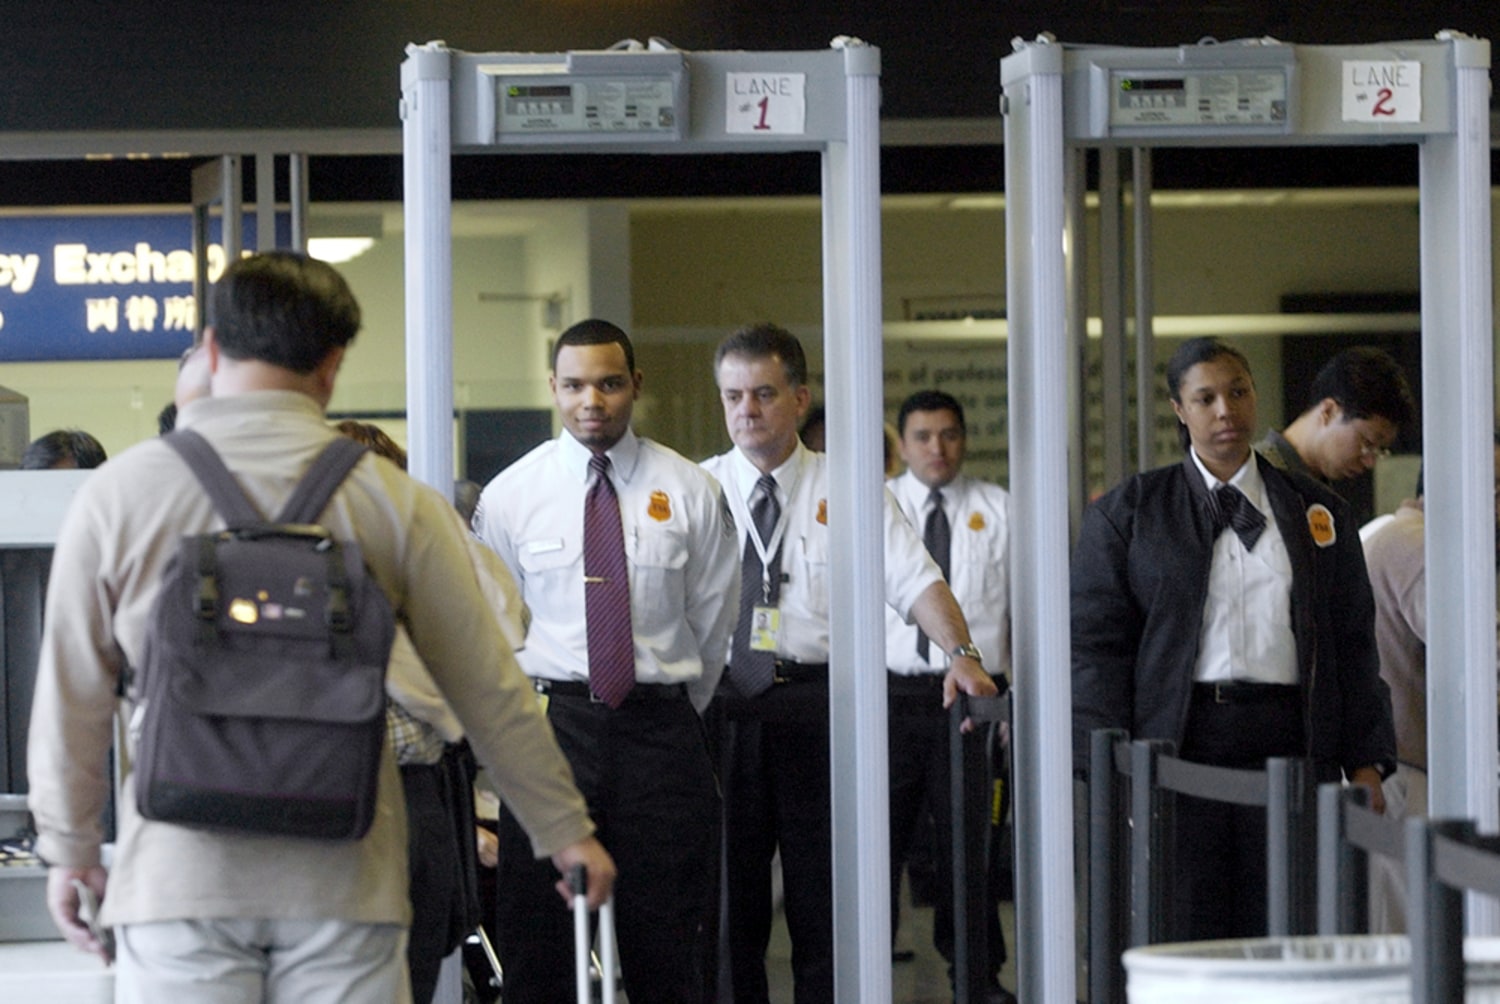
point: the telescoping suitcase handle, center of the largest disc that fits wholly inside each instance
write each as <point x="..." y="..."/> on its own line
<point x="578" y="882"/>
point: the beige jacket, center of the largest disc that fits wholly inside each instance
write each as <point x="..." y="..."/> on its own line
<point x="112" y="549"/>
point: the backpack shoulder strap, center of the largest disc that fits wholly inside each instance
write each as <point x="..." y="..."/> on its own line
<point x="229" y="499"/>
<point x="322" y="479"/>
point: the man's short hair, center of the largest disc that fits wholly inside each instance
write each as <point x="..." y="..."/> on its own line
<point x="1367" y="383"/>
<point x="58" y="447"/>
<point x="282" y="308"/>
<point x="930" y="400"/>
<point x="762" y="341"/>
<point x="595" y="332"/>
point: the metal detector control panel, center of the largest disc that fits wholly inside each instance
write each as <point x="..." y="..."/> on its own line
<point x="1197" y="99"/>
<point x="1202" y="90"/>
<point x="586" y="97"/>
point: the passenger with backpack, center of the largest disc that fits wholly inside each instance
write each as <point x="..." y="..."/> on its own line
<point x="231" y="883"/>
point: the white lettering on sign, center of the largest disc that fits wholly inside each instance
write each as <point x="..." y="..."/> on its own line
<point x="18" y="271"/>
<point x="767" y="104"/>
<point x="1381" y="92"/>
<point x="76" y="265"/>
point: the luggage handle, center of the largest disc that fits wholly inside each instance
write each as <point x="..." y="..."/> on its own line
<point x="578" y="882"/>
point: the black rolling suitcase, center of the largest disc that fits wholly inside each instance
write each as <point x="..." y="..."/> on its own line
<point x="971" y="966"/>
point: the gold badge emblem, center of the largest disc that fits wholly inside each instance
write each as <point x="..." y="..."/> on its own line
<point x="660" y="507"/>
<point x="823" y="511"/>
<point x="1320" y="525"/>
<point x="976" y="521"/>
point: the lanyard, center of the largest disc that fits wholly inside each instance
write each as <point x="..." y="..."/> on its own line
<point x="765" y="550"/>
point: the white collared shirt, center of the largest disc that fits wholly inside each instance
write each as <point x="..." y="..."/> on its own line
<point x="679" y="546"/>
<point x="802" y="490"/>
<point x="978" y="566"/>
<point x="1247" y="615"/>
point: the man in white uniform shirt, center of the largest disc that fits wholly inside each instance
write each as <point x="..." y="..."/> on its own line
<point x="623" y="683"/>
<point x="966" y="528"/>
<point x="777" y="790"/>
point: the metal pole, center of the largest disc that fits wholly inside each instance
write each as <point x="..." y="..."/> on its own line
<point x="857" y="697"/>
<point x="426" y="157"/>
<point x="1036" y="293"/>
<point x="1145" y="312"/>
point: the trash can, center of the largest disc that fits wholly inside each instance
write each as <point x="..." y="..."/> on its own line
<point x="1370" y="969"/>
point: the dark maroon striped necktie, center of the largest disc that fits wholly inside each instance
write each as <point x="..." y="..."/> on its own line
<point x="606" y="590"/>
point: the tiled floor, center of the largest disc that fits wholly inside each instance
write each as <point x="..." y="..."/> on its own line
<point x="922" y="980"/>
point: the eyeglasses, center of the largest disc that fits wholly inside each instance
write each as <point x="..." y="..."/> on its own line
<point x="1369" y="450"/>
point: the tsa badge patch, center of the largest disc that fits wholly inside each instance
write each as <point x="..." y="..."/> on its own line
<point x="660" y="507"/>
<point x="1320" y="525"/>
<point x="976" y="521"/>
<point x="823" y="511"/>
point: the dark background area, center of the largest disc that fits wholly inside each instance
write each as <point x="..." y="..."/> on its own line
<point x="175" y="65"/>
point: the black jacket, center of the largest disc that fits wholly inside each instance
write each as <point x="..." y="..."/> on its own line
<point x="1139" y="580"/>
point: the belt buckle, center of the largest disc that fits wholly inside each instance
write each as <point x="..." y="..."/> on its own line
<point x="1219" y="695"/>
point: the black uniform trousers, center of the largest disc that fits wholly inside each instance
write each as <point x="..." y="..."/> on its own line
<point x="777" y="795"/>
<point x="920" y="778"/>
<point x="433" y="866"/>
<point x="1219" y="888"/>
<point x="644" y="770"/>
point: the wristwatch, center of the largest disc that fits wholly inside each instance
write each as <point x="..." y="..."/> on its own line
<point x="970" y="650"/>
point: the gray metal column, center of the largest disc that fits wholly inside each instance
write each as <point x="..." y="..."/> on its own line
<point x="427" y="156"/>
<point x="1458" y="411"/>
<point x="1114" y="414"/>
<point x="1145" y="311"/>
<point x="857" y="696"/>
<point x="1036" y="294"/>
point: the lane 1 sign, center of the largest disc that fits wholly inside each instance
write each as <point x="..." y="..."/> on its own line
<point x="766" y="104"/>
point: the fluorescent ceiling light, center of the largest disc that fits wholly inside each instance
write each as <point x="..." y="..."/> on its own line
<point x="335" y="250"/>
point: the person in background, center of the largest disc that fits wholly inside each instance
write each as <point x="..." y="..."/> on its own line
<point x="1358" y="403"/>
<point x="63" y="450"/>
<point x="624" y="551"/>
<point x="231" y="917"/>
<point x="775" y="701"/>
<point x="1223" y="604"/>
<point x="965" y="526"/>
<point x="1396" y="556"/>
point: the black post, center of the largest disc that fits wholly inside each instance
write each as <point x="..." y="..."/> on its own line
<point x="1109" y="878"/>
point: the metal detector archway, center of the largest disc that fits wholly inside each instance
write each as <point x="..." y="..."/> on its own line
<point x="1060" y="100"/>
<point x="658" y="99"/>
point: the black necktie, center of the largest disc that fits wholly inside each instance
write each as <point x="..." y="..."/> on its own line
<point x="754" y="671"/>
<point x="606" y="590"/>
<point x="1228" y="507"/>
<point x="937" y="535"/>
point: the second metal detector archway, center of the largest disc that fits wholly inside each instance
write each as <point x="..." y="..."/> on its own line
<point x="661" y="100"/>
<point x="1059" y="100"/>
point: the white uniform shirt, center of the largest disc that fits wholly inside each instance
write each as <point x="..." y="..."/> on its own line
<point x="1247" y="615"/>
<point x="679" y="546"/>
<point x="802" y="490"/>
<point x="978" y="566"/>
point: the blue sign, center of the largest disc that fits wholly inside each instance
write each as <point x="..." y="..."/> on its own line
<point x="101" y="287"/>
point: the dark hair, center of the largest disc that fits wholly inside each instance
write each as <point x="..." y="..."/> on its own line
<point x="1367" y="383"/>
<point x="595" y="332"/>
<point x="762" y="341"/>
<point x="375" y="438"/>
<point x="1189" y="354"/>
<point x="282" y="308"/>
<point x="817" y="419"/>
<point x="930" y="400"/>
<point x="166" y="419"/>
<point x="55" y="449"/>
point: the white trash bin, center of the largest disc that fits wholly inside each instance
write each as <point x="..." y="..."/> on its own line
<point x="1369" y="969"/>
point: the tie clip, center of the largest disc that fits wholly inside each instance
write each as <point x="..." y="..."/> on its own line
<point x="588" y="579"/>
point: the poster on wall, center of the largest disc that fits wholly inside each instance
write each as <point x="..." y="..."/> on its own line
<point x="92" y="287"/>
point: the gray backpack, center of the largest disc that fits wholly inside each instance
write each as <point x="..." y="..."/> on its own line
<point x="261" y="694"/>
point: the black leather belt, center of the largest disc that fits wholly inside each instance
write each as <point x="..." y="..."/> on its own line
<point x="800" y="672"/>
<point x="1242" y="692"/>
<point x="914" y="684"/>
<point x="640" y="692"/>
